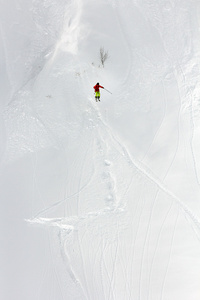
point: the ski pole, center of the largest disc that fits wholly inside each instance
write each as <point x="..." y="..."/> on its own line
<point x="107" y="91"/>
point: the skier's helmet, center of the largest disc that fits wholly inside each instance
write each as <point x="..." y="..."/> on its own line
<point x="97" y="83"/>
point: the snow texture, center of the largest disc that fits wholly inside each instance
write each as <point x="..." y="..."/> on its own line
<point x="100" y="200"/>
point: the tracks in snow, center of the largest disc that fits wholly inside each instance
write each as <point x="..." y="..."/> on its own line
<point x="107" y="139"/>
<point x="149" y="174"/>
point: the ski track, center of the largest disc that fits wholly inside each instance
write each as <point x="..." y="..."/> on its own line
<point x="67" y="263"/>
<point x="83" y="267"/>
<point x="66" y="198"/>
<point x="124" y="268"/>
<point x="103" y="263"/>
<point x="169" y="258"/>
<point x="148" y="174"/>
<point x="44" y="275"/>
<point x="111" y="290"/>
<point x="56" y="276"/>
<point x="124" y="35"/>
<point x="166" y="173"/>
<point x="142" y="168"/>
<point x="102" y="260"/>
<point x="101" y="129"/>
<point x="133" y="243"/>
<point x="155" y="251"/>
<point x="50" y="133"/>
<point x="81" y="175"/>
<point x="144" y="244"/>
<point x="159" y="128"/>
<point x="95" y="264"/>
<point x="192" y="127"/>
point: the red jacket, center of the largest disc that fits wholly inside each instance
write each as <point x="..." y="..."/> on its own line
<point x="96" y="87"/>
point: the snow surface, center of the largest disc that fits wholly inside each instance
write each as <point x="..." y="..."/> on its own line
<point x="100" y="201"/>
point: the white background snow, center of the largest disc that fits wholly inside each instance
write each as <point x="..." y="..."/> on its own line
<point x="100" y="201"/>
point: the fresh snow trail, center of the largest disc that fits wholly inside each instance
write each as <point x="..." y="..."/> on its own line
<point x="112" y="186"/>
<point x="105" y="138"/>
<point x="149" y="174"/>
<point x="156" y="249"/>
<point x="169" y="258"/>
<point x="102" y="127"/>
<point x="192" y="127"/>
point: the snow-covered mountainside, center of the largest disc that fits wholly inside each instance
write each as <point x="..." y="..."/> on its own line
<point x="100" y="200"/>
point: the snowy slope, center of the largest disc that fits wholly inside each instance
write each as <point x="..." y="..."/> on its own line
<point x="100" y="200"/>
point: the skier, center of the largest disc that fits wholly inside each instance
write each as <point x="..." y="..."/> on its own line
<point x="97" y="92"/>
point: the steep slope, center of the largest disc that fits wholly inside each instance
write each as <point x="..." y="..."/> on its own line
<point x="115" y="184"/>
